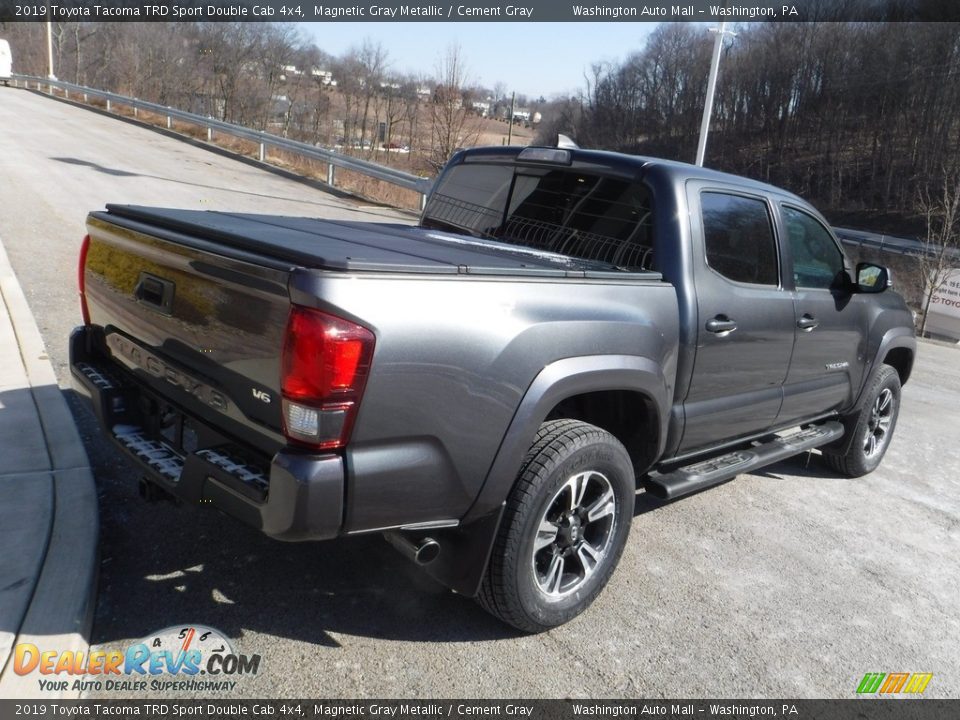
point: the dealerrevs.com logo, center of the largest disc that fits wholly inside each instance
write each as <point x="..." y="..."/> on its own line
<point x="177" y="658"/>
<point x="894" y="683"/>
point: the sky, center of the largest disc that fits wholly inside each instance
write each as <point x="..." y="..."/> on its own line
<point x="534" y="59"/>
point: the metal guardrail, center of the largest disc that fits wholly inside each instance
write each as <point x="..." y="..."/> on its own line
<point x="891" y="244"/>
<point x="264" y="140"/>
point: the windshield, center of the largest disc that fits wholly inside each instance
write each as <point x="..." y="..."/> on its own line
<point x="559" y="210"/>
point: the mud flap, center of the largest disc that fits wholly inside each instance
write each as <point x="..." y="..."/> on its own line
<point x="465" y="552"/>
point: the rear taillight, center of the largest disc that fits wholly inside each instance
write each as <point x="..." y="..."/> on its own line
<point x="325" y="364"/>
<point x="81" y="279"/>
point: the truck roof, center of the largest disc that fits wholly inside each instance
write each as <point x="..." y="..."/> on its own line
<point x="631" y="165"/>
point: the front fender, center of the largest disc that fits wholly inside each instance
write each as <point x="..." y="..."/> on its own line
<point x="896" y="337"/>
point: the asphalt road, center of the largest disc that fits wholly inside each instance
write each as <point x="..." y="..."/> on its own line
<point x="790" y="582"/>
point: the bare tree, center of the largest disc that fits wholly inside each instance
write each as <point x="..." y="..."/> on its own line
<point x="82" y="33"/>
<point x="316" y="62"/>
<point x="501" y="99"/>
<point x="941" y="211"/>
<point x="231" y="51"/>
<point x="411" y="112"/>
<point x="372" y="64"/>
<point x="854" y="116"/>
<point x="391" y="109"/>
<point x="349" y="74"/>
<point x="278" y="72"/>
<point x="451" y="125"/>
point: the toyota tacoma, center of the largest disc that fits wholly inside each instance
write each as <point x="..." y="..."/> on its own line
<point x="490" y="387"/>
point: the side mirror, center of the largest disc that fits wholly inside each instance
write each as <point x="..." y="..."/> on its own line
<point x="872" y="278"/>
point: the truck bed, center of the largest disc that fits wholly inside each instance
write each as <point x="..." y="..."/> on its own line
<point x="356" y="246"/>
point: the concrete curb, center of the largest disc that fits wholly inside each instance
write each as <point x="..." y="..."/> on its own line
<point x="55" y="501"/>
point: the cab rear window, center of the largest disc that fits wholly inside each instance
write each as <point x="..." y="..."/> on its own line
<point x="561" y="210"/>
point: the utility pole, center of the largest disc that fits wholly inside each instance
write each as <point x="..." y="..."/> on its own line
<point x="711" y="89"/>
<point x="50" y="75"/>
<point x="513" y="100"/>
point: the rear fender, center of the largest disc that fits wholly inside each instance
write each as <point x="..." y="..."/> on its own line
<point x="465" y="550"/>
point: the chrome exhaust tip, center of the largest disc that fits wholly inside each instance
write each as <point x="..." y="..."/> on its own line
<point x="422" y="551"/>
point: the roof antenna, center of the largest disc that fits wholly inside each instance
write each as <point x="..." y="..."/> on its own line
<point x="564" y="141"/>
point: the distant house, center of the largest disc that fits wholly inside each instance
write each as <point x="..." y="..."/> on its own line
<point x="481" y="107"/>
<point x="324" y="77"/>
<point x="522" y="116"/>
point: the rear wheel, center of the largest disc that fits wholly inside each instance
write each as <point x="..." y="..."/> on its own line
<point x="872" y="428"/>
<point x="564" y="527"/>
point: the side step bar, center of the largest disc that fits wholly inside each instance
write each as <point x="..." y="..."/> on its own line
<point x="706" y="473"/>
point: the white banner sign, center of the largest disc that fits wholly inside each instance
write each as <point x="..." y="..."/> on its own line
<point x="943" y="315"/>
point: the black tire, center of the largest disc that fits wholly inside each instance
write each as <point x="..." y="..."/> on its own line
<point x="871" y="428"/>
<point x="537" y="580"/>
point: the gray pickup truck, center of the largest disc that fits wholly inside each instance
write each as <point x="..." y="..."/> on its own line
<point x="489" y="388"/>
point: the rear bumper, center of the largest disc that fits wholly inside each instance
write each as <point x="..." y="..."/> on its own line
<point x="293" y="495"/>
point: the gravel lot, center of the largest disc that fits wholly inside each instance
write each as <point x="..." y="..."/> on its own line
<point x="790" y="582"/>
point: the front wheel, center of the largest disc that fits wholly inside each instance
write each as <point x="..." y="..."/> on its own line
<point x="872" y="428"/>
<point x="564" y="527"/>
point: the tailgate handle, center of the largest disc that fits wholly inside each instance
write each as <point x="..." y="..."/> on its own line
<point x="155" y="292"/>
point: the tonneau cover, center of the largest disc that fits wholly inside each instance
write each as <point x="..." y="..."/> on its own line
<point x="359" y="246"/>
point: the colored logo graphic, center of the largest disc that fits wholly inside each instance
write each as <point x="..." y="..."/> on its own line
<point x="181" y="651"/>
<point x="894" y="683"/>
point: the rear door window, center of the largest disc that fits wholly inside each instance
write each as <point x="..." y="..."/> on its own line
<point x="739" y="239"/>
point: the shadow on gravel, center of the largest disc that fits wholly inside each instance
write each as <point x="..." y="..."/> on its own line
<point x="165" y="565"/>
<point x="647" y="502"/>
<point x="98" y="168"/>
<point x="805" y="465"/>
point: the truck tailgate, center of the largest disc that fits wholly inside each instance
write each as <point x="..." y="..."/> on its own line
<point x="203" y="328"/>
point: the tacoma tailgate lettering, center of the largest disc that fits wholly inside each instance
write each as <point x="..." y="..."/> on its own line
<point x="138" y="357"/>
